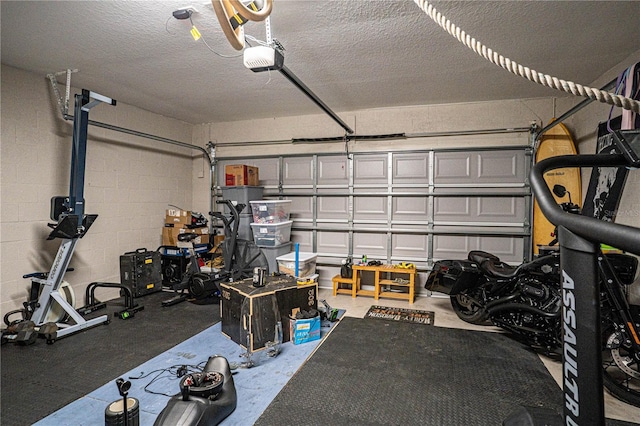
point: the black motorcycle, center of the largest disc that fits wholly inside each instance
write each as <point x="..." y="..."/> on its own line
<point x="526" y="301"/>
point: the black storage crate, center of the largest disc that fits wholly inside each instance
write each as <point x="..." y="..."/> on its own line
<point x="250" y="314"/>
<point x="140" y="270"/>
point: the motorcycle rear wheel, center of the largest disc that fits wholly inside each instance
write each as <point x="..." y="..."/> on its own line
<point x="620" y="373"/>
<point x="468" y="310"/>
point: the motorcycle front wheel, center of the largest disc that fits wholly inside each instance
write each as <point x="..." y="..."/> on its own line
<point x="620" y="371"/>
<point x="468" y="310"/>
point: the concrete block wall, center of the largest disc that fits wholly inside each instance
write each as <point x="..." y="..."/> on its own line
<point x="129" y="182"/>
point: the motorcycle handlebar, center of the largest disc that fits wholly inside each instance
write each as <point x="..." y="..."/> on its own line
<point x="624" y="237"/>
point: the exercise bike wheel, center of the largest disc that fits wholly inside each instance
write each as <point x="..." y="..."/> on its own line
<point x="247" y="256"/>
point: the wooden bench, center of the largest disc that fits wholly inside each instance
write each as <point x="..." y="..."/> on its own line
<point x="386" y="279"/>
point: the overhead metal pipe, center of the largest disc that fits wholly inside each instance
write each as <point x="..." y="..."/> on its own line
<point x="144" y="135"/>
<point x="300" y="85"/>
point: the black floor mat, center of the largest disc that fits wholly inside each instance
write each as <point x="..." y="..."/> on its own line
<point x="382" y="373"/>
<point x="40" y="379"/>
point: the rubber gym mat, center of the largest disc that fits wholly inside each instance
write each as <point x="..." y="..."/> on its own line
<point x="388" y="372"/>
<point x="413" y="316"/>
<point x="39" y="379"/>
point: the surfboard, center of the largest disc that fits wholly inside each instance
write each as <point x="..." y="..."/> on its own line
<point x="555" y="141"/>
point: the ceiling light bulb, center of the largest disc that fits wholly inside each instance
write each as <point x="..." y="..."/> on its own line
<point x="195" y="33"/>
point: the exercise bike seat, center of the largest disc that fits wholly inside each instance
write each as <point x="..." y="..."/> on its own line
<point x="202" y="411"/>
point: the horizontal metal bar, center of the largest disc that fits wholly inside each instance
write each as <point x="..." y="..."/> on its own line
<point x="469" y="132"/>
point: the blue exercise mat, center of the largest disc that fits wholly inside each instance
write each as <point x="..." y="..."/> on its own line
<point x="256" y="387"/>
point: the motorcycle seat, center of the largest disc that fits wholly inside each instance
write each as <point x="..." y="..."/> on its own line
<point x="499" y="269"/>
<point x="479" y="256"/>
<point x="492" y="265"/>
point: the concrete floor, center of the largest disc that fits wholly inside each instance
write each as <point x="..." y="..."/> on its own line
<point x="445" y="317"/>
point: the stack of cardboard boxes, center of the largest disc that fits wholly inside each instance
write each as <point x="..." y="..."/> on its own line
<point x="183" y="222"/>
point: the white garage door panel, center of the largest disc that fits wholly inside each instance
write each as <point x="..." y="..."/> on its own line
<point x="500" y="167"/>
<point x="268" y="171"/>
<point x="298" y="171"/>
<point x="495" y="210"/>
<point x="333" y="208"/>
<point x="452" y="167"/>
<point x="410" y="209"/>
<point x="370" y="169"/>
<point x="373" y="245"/>
<point x="303" y="238"/>
<point x="374" y="208"/>
<point x="333" y="171"/>
<point x="507" y="248"/>
<point x="411" y="169"/>
<point x="333" y="242"/>
<point x="414" y="246"/>
<point x="301" y="208"/>
<point x="481" y="167"/>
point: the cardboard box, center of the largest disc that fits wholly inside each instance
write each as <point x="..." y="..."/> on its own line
<point x="177" y="216"/>
<point x="249" y="314"/>
<point x="240" y="174"/>
<point x="304" y="330"/>
<point x="170" y="234"/>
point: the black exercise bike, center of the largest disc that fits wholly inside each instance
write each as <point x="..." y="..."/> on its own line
<point x="600" y="330"/>
<point x="238" y="258"/>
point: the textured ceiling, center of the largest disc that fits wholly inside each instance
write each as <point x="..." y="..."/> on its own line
<point x="354" y="54"/>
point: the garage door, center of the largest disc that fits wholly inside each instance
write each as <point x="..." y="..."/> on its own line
<point x="418" y="206"/>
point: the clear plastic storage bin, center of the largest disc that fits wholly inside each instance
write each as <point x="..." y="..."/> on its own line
<point x="271" y="234"/>
<point x="306" y="264"/>
<point x="270" y="211"/>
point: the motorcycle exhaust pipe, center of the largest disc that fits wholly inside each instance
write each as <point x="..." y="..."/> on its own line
<point x="501" y="301"/>
<point x="519" y="306"/>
